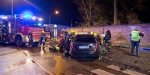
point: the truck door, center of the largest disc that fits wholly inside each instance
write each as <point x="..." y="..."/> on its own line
<point x="5" y="32"/>
<point x="0" y="32"/>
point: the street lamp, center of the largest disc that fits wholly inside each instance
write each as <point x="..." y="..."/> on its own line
<point x="56" y="12"/>
<point x="12" y="7"/>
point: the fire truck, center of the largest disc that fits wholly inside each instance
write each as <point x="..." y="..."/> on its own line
<point x="47" y="31"/>
<point x="15" y="29"/>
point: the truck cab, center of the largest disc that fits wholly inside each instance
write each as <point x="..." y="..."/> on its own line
<point x="47" y="31"/>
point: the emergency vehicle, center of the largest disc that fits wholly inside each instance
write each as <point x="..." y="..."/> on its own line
<point x="47" y="31"/>
<point x="18" y="27"/>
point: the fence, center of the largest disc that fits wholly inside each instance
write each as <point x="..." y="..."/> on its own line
<point x="121" y="33"/>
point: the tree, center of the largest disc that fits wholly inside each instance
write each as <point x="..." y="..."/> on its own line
<point x="115" y="12"/>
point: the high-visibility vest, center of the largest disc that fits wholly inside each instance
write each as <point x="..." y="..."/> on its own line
<point x="135" y="36"/>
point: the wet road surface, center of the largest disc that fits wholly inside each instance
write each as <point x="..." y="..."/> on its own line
<point x="33" y="61"/>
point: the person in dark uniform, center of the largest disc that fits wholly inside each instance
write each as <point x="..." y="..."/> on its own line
<point x="68" y="40"/>
<point x="42" y="39"/>
<point x="65" y="33"/>
<point x="30" y="36"/>
<point x="107" y="39"/>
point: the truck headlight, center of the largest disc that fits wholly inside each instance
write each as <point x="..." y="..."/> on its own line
<point x="27" y="39"/>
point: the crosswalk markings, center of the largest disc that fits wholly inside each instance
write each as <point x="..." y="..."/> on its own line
<point x="114" y="67"/>
<point x="131" y="72"/>
<point x="127" y="71"/>
<point x="101" y="72"/>
<point x="117" y="68"/>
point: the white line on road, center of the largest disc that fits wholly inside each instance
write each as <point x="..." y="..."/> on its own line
<point x="47" y="71"/>
<point x="131" y="72"/>
<point x="101" y="72"/>
<point x="114" y="67"/>
<point x="127" y="71"/>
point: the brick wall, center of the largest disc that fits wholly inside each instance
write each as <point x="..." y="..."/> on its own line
<point x="121" y="33"/>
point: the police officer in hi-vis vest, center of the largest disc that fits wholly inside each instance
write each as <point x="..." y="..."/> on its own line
<point x="135" y="40"/>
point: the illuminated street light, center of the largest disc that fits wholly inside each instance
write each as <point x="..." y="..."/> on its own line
<point x="12" y="7"/>
<point x="56" y="12"/>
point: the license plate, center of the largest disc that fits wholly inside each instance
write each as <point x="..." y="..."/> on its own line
<point x="83" y="47"/>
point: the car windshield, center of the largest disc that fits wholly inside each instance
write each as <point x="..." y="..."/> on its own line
<point x="84" y="38"/>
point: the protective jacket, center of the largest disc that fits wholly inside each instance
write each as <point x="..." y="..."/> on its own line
<point x="135" y="36"/>
<point x="42" y="38"/>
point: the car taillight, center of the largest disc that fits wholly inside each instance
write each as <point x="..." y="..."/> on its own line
<point x="95" y="47"/>
<point x="71" y="46"/>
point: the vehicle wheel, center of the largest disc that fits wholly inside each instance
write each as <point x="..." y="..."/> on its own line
<point x="19" y="42"/>
<point x="67" y="55"/>
<point x="71" y="56"/>
<point x="35" y="44"/>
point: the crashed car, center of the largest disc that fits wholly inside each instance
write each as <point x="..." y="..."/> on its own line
<point x="84" y="44"/>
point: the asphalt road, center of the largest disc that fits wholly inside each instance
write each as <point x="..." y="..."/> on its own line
<point x="33" y="61"/>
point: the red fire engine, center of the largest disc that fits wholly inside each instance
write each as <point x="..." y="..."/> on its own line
<point x="14" y="29"/>
<point x="47" y="31"/>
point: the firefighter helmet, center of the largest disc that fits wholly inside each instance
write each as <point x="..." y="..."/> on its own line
<point x="103" y="35"/>
<point x="72" y="32"/>
<point x="57" y="47"/>
<point x="43" y="31"/>
<point x="76" y="33"/>
<point x="95" y="34"/>
<point x="92" y="33"/>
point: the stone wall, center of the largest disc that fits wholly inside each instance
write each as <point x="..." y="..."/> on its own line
<point x="121" y="33"/>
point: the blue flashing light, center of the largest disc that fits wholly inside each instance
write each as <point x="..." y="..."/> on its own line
<point x="39" y="24"/>
<point x="27" y="15"/>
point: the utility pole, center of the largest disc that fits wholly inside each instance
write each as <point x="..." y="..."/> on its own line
<point x="90" y="13"/>
<point x="71" y="24"/>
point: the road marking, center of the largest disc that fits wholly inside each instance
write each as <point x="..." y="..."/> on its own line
<point x="114" y="67"/>
<point x="47" y="71"/>
<point x="127" y="71"/>
<point x="101" y="72"/>
<point x="131" y="72"/>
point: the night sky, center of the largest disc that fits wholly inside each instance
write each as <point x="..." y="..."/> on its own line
<point x="67" y="10"/>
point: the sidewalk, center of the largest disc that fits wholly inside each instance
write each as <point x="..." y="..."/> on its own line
<point x="122" y="55"/>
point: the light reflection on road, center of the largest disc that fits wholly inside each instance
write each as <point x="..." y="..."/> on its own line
<point x="61" y="65"/>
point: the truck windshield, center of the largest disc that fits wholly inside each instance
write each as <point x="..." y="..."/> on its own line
<point x="3" y="23"/>
<point x="46" y="29"/>
<point x="32" y="23"/>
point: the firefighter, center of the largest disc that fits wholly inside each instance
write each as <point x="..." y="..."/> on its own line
<point x="42" y="39"/>
<point x="68" y="41"/>
<point x="101" y="47"/>
<point x="107" y="39"/>
<point x="65" y="34"/>
<point x="30" y="37"/>
<point x="61" y="44"/>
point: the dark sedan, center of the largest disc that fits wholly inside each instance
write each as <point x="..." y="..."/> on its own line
<point x="84" y="45"/>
